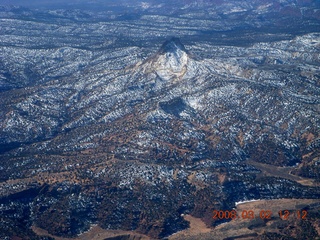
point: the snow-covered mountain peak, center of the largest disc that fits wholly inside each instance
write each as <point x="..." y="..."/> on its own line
<point x="173" y="46"/>
<point x="171" y="60"/>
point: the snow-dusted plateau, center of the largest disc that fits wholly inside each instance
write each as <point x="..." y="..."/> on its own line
<point x="134" y="116"/>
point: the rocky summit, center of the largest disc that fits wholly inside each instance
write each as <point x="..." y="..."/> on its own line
<point x="169" y="63"/>
<point x="106" y="131"/>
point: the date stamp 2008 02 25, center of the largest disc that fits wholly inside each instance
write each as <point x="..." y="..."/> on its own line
<point x="262" y="214"/>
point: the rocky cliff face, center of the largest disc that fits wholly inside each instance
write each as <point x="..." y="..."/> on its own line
<point x="172" y="60"/>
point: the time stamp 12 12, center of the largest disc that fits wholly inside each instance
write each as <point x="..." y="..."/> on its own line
<point x="262" y="214"/>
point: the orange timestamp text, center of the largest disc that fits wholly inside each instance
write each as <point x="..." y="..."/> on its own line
<point x="262" y="214"/>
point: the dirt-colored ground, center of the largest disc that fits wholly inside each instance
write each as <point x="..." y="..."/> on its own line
<point x="95" y="233"/>
<point x="241" y="228"/>
<point x="276" y="205"/>
<point x="283" y="172"/>
<point x="197" y="226"/>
